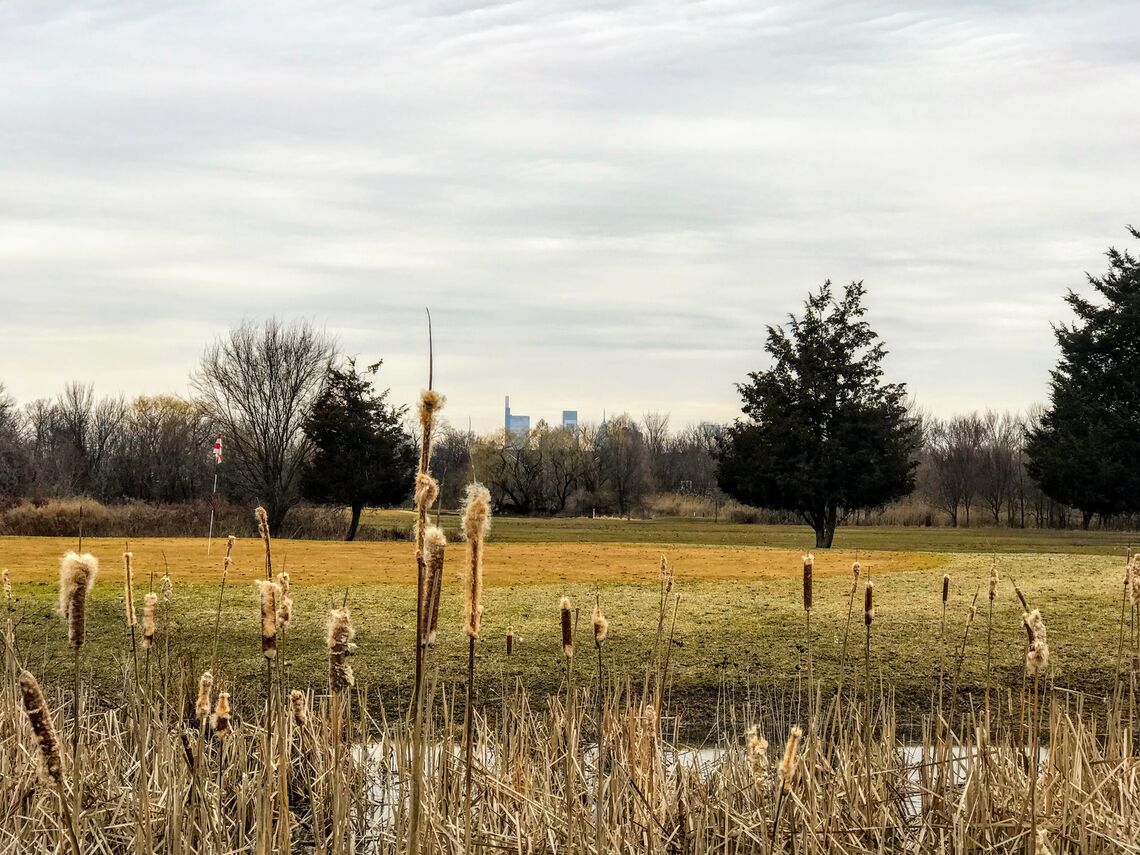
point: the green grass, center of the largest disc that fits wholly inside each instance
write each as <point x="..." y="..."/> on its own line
<point x="688" y="530"/>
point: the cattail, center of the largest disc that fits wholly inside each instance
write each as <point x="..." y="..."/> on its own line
<point x="205" y="687"/>
<point x="7" y="589"/>
<point x="945" y="588"/>
<point x="270" y="592"/>
<point x="283" y="581"/>
<point x="340" y="633"/>
<point x="299" y="704"/>
<point x="567" y="637"/>
<point x="869" y="603"/>
<point x="284" y="603"/>
<point x="510" y="639"/>
<point x="149" y="628"/>
<point x="220" y="720"/>
<point x="76" y="579"/>
<point x="787" y="767"/>
<point x="51" y="762"/>
<point x="167" y="589"/>
<point x="1020" y="597"/>
<point x="1135" y="586"/>
<point x="476" y="523"/>
<point x="434" y="545"/>
<point x="129" y="588"/>
<point x="756" y="749"/>
<point x="1037" y="651"/>
<point x="427" y="490"/>
<point x="809" y="562"/>
<point x="601" y="625"/>
<point x="263" y="530"/>
<point x="993" y="581"/>
<point x="431" y="402"/>
<point x="856" y="569"/>
<point x="649" y="718"/>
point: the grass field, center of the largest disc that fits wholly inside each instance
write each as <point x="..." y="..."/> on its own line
<point x="739" y="622"/>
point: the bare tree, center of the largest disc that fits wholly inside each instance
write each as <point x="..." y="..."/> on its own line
<point x="953" y="450"/>
<point x="997" y="481"/>
<point x="257" y="385"/>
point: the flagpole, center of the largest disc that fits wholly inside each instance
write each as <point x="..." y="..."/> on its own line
<point x="213" y="504"/>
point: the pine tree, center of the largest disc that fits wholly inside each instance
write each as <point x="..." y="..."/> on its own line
<point x="1086" y="451"/>
<point x="823" y="434"/>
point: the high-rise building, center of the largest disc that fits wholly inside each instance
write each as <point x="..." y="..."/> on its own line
<point x="570" y="419"/>
<point x="511" y="423"/>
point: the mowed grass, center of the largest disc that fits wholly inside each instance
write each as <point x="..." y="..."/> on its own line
<point x="739" y="623"/>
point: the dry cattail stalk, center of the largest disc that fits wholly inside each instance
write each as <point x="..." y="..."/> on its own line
<point x="340" y="633"/>
<point x="993" y="581"/>
<point x="299" y="703"/>
<point x="788" y="765"/>
<point x="434" y="546"/>
<point x="601" y="625"/>
<point x="76" y="579"/>
<point x="167" y="589"/>
<point x="7" y="588"/>
<point x="756" y="748"/>
<point x="221" y="719"/>
<point x="476" y="523"/>
<point x="945" y="588"/>
<point x="510" y="639"/>
<point x="129" y="588"/>
<point x="869" y="603"/>
<point x="567" y="634"/>
<point x="1037" y="652"/>
<point x="809" y="562"/>
<point x="149" y="627"/>
<point x="205" y="687"/>
<point x="269" y="592"/>
<point x="51" y="762"/>
<point x="856" y="569"/>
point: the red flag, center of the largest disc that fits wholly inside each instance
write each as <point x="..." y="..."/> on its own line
<point x="218" y="449"/>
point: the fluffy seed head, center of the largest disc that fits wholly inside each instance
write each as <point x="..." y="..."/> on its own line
<point x="283" y="581"/>
<point x="601" y="625"/>
<point x="269" y="593"/>
<point x="434" y="545"/>
<point x="167" y="589"/>
<point x="856" y="569"/>
<point x="476" y="523"/>
<point x="1037" y="650"/>
<point x="76" y="579"/>
<point x="36" y="708"/>
<point x="869" y="603"/>
<point x="788" y="765"/>
<point x="567" y="635"/>
<point x="809" y="562"/>
<point x="339" y="640"/>
<point x="756" y="748"/>
<point x="431" y="402"/>
<point x="262" y="517"/>
<point x="129" y="588"/>
<point x="221" y="719"/>
<point x="284" y="611"/>
<point x="427" y="490"/>
<point x="205" y="687"/>
<point x="149" y="627"/>
<point x="7" y="588"/>
<point x="993" y="581"/>
<point x="299" y="704"/>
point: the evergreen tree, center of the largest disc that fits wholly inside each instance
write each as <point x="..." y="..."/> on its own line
<point x="823" y="434"/>
<point x="1086" y="450"/>
<point x="362" y="455"/>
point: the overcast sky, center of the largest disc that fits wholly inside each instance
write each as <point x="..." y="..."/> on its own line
<point x="602" y="203"/>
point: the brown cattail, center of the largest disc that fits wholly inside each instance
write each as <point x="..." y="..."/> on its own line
<point x="1020" y="597"/>
<point x="221" y="720"/>
<point x="476" y="523"/>
<point x="1037" y="651"/>
<point x="945" y="588"/>
<point x="856" y="569"/>
<point x="149" y="627"/>
<point x="300" y="706"/>
<point x="263" y="530"/>
<point x="756" y="749"/>
<point x="869" y="603"/>
<point x="1134" y="587"/>
<point x="809" y="562"/>
<point x="167" y="589"/>
<point x="567" y="635"/>
<point x="788" y="765"/>
<point x="51" y="762"/>
<point x="129" y="588"/>
<point x="510" y="639"/>
<point x="340" y="633"/>
<point x="434" y="546"/>
<point x="205" y="687"/>
<point x="76" y="579"/>
<point x="269" y="592"/>
<point x="601" y="625"/>
<point x="993" y="581"/>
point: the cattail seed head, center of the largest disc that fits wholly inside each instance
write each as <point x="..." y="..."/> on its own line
<point x="7" y="589"/>
<point x="869" y="603"/>
<point x="427" y="490"/>
<point x="788" y="764"/>
<point x="167" y="589"/>
<point x="856" y="569"/>
<point x="1037" y="650"/>
<point x="431" y="402"/>
<point x="1134" y="586"/>
<point x="36" y="708"/>
<point x="601" y="625"/>
<point x="993" y="581"/>
<point x="205" y="687"/>
<point x="476" y="523"/>
<point x="149" y="627"/>
<point x="809" y="562"/>
<point x="129" y="588"/>
<point x="76" y="579"/>
<point x="756" y="749"/>
<point x="284" y="611"/>
<point x="262" y="517"/>
<point x="510" y="639"/>
<point x="434" y="546"/>
<point x="299" y="703"/>
<point x="269" y="593"/>
<point x="283" y="581"/>
<point x="567" y="634"/>
<point x="945" y="588"/>
<point x="221" y="719"/>
<point x="339" y="641"/>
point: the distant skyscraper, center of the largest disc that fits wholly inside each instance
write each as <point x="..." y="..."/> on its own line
<point x="570" y="418"/>
<point x="514" y="424"/>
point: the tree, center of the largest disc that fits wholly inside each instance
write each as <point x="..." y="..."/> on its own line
<point x="954" y="453"/>
<point x="1084" y="451"/>
<point x="623" y="462"/>
<point x="823" y="435"/>
<point x="13" y="462"/>
<point x="257" y="385"/>
<point x="361" y="453"/>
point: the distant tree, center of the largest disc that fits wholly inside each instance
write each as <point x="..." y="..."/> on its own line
<point x="624" y="463"/>
<point x="823" y="435"/>
<point x="451" y="462"/>
<point x="954" y="452"/>
<point x="1085" y="450"/>
<point x="13" y="457"/>
<point x="361" y="453"/>
<point x="257" y="385"/>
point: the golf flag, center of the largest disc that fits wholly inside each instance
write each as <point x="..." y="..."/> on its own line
<point x="218" y="449"/>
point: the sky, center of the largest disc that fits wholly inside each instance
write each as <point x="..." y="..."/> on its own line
<point x="603" y="204"/>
